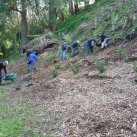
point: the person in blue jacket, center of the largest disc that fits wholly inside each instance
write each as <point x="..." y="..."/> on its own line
<point x="32" y="60"/>
<point x="63" y="50"/>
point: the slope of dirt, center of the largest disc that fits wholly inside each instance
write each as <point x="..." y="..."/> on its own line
<point x="89" y="104"/>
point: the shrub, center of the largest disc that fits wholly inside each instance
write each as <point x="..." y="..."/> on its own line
<point x="135" y="66"/>
<point x="55" y="70"/>
<point x="75" y="68"/>
<point x="51" y="58"/>
<point x="100" y="65"/>
<point x="67" y="37"/>
<point x="57" y="66"/>
<point x="121" y="53"/>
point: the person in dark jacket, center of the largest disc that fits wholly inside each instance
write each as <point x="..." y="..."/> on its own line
<point x="89" y="45"/>
<point x="3" y="67"/>
<point x="75" y="48"/>
<point x="104" y="40"/>
<point x="24" y="50"/>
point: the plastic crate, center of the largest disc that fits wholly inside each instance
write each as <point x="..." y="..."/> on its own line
<point x="11" y="77"/>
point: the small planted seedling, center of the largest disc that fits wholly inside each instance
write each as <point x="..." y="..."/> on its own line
<point x="51" y="58"/>
<point x="121" y="53"/>
<point x="55" y="70"/>
<point x="75" y="68"/>
<point x="101" y="66"/>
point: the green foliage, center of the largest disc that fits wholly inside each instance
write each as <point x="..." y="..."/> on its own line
<point x="72" y="22"/>
<point x="13" y="122"/>
<point x="101" y="66"/>
<point x="2" y="89"/>
<point x="51" y="58"/>
<point x="37" y="135"/>
<point x="14" y="56"/>
<point x="57" y="66"/>
<point x="121" y="53"/>
<point x="55" y="70"/>
<point x="75" y="68"/>
<point x="67" y="37"/>
<point x="99" y="20"/>
<point x="135" y="66"/>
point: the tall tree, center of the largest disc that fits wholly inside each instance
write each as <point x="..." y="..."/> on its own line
<point x="71" y="9"/>
<point x="76" y="6"/>
<point x="24" y="24"/>
<point x="52" y="15"/>
<point x="13" y="5"/>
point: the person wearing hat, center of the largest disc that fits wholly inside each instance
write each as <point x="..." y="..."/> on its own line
<point x="75" y="48"/>
<point x="3" y="67"/>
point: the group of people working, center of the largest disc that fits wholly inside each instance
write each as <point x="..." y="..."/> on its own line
<point x="88" y="46"/>
<point x="31" y="58"/>
<point x="32" y="55"/>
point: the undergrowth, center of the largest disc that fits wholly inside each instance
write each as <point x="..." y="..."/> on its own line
<point x="101" y="66"/>
<point x="75" y="68"/>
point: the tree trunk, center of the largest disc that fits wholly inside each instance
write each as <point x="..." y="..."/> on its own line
<point x="76" y="7"/>
<point x="62" y="17"/>
<point x="71" y="9"/>
<point x="52" y="15"/>
<point x="24" y="24"/>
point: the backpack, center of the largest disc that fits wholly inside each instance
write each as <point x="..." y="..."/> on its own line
<point x="64" y="47"/>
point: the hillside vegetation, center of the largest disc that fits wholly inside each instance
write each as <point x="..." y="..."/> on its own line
<point x="117" y="18"/>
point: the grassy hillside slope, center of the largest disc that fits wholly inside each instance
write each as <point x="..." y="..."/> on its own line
<point x="103" y="16"/>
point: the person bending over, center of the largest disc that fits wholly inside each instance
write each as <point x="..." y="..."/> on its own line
<point x="75" y="48"/>
<point x="3" y="67"/>
<point x="90" y="43"/>
<point x="104" y="40"/>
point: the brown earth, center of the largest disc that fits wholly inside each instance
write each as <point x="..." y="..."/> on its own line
<point x="88" y="104"/>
